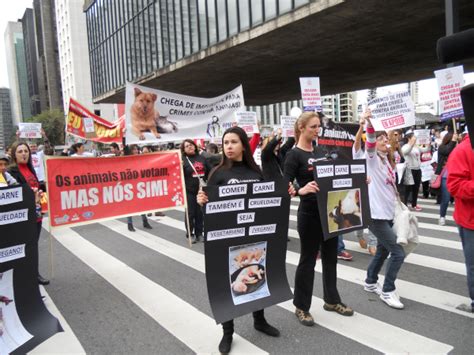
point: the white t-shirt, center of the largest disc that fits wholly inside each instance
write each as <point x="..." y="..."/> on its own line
<point x="360" y="154"/>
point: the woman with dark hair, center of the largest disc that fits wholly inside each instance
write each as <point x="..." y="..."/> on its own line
<point x="273" y="155"/>
<point x="412" y="176"/>
<point x="195" y="172"/>
<point x="134" y="150"/>
<point x="23" y="172"/>
<point x="237" y="166"/>
<point x="447" y="145"/>
<point x="299" y="166"/>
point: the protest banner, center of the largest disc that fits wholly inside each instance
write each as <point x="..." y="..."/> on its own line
<point x="392" y="111"/>
<point x="156" y="116"/>
<point x="450" y="81"/>
<point x="79" y="123"/>
<point x="87" y="190"/>
<point x="288" y="126"/>
<point x="343" y="197"/>
<point x="336" y="139"/>
<point x="24" y="320"/>
<point x="311" y="94"/>
<point x="247" y="121"/>
<point x="246" y="238"/>
<point x="423" y="136"/>
<point x="29" y="130"/>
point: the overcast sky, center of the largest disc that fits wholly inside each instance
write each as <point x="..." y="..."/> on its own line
<point x="13" y="10"/>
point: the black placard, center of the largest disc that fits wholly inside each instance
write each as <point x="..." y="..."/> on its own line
<point x="336" y="139"/>
<point x="25" y="322"/>
<point x="246" y="228"/>
<point x="343" y="197"/>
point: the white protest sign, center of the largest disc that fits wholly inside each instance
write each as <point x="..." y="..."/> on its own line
<point x="450" y="82"/>
<point x="287" y="126"/>
<point x="29" y="130"/>
<point x="392" y="111"/>
<point x="247" y="120"/>
<point x="422" y="136"/>
<point x="311" y="94"/>
<point x="156" y="116"/>
<point x="88" y="124"/>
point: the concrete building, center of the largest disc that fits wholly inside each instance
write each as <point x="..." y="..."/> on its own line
<point x="49" y="79"/>
<point x="6" y="119"/>
<point x="31" y="49"/>
<point x="17" y="73"/>
<point x="74" y="58"/>
<point x="341" y="107"/>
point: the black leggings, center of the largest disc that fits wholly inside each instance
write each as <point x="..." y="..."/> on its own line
<point x="228" y="327"/>
<point x="414" y="189"/>
<point x="194" y="214"/>
<point x="312" y="240"/>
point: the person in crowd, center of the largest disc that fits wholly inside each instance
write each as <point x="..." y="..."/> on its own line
<point x="22" y="171"/>
<point x="211" y="153"/>
<point x="115" y="149"/>
<point x="147" y="149"/>
<point x="237" y="165"/>
<point x="460" y="184"/>
<point x="78" y="150"/>
<point x="134" y="150"/>
<point x="195" y="171"/>
<point x="5" y="178"/>
<point x="298" y="165"/>
<point x="412" y="176"/>
<point x="382" y="197"/>
<point x="447" y="146"/>
<point x="273" y="155"/>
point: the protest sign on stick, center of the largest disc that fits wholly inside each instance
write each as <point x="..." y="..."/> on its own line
<point x="423" y="136"/>
<point x="392" y="111"/>
<point x="29" y="130"/>
<point x="287" y="126"/>
<point x="247" y="121"/>
<point x="450" y="81"/>
<point x="311" y="94"/>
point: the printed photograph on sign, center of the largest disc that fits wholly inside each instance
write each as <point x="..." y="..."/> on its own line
<point x="247" y="272"/>
<point x="12" y="332"/>
<point x="344" y="209"/>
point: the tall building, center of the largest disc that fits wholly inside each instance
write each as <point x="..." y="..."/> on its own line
<point x="29" y="36"/>
<point x="6" y="119"/>
<point x="17" y="73"/>
<point x="74" y="57"/>
<point x="49" y="79"/>
<point x="341" y="107"/>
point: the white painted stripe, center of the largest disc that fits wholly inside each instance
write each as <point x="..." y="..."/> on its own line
<point x="65" y="342"/>
<point x="422" y="260"/>
<point x="194" y="328"/>
<point x="355" y="328"/>
<point x="438" y="228"/>
<point x="424" y="294"/>
<point x="359" y="326"/>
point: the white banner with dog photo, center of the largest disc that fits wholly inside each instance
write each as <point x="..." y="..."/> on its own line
<point x="343" y="198"/>
<point x="155" y="116"/>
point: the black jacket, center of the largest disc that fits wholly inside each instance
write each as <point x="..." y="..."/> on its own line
<point x="443" y="153"/>
<point x="191" y="180"/>
<point x="272" y="164"/>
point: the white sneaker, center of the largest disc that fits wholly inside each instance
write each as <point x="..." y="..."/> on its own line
<point x="374" y="288"/>
<point x="442" y="221"/>
<point x="392" y="299"/>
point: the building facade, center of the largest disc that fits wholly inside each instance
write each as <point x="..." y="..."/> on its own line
<point x="341" y="107"/>
<point x="6" y="119"/>
<point x="17" y="72"/>
<point x="74" y="58"/>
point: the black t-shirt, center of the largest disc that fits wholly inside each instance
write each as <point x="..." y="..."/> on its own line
<point x="238" y="173"/>
<point x="299" y="166"/>
<point x="191" y="179"/>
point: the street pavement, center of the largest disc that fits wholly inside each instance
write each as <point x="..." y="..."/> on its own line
<point x="144" y="292"/>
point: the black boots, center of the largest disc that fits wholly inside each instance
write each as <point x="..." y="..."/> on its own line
<point x="226" y="341"/>
<point x="130" y="227"/>
<point x="146" y="225"/>
<point x="42" y="280"/>
<point x="261" y="324"/>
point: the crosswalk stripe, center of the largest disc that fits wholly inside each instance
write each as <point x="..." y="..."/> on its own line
<point x="66" y="341"/>
<point x="185" y="322"/>
<point x="437" y="228"/>
<point x="424" y="294"/>
<point x="355" y="328"/>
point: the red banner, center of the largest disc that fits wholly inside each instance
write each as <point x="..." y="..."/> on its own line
<point x="86" y="190"/>
<point x="104" y="131"/>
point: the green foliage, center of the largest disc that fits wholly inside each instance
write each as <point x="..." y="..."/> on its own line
<point x="52" y="122"/>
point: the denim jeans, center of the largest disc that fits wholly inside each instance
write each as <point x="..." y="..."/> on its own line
<point x="340" y="244"/>
<point x="386" y="244"/>
<point x="467" y="239"/>
<point x="445" y="197"/>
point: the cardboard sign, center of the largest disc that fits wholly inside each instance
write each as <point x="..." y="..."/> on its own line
<point x="246" y="239"/>
<point x="29" y="130"/>
<point x="423" y="136"/>
<point x="86" y="190"/>
<point x="24" y="320"/>
<point x="343" y="197"/>
<point x="247" y="121"/>
<point x="392" y="111"/>
<point x="311" y="94"/>
<point x="450" y="81"/>
<point x="288" y="126"/>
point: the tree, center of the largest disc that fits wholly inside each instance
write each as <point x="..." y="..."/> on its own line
<point x="52" y="121"/>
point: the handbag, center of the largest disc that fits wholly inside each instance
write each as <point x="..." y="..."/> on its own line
<point x="435" y="181"/>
